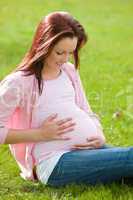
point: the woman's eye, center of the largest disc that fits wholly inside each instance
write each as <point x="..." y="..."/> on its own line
<point x="59" y="53"/>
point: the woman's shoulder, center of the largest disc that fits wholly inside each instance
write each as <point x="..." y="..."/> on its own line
<point x="71" y="71"/>
<point x="69" y="66"/>
<point x="19" y="76"/>
<point x="18" y="79"/>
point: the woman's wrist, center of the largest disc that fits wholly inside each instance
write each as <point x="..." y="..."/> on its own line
<point x="38" y="135"/>
<point x="15" y="136"/>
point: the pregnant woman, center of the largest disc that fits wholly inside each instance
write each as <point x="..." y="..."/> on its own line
<point x="45" y="117"/>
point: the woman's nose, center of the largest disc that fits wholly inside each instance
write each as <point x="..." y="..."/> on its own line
<point x="65" y="58"/>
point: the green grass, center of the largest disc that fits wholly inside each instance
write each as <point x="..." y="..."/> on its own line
<point x="106" y="71"/>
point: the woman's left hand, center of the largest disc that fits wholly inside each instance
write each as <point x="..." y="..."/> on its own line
<point x="90" y="144"/>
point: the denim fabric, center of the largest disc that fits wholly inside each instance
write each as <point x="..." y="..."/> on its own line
<point x="103" y="165"/>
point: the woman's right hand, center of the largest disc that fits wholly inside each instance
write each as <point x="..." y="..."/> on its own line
<point x="53" y="129"/>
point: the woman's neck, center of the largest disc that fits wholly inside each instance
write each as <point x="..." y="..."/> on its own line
<point x="48" y="73"/>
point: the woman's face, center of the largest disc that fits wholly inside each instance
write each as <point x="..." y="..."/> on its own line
<point x="61" y="52"/>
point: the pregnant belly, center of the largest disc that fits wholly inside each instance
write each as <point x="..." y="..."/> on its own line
<point x="85" y="128"/>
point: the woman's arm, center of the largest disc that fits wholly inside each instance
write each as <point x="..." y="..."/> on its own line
<point x="84" y="103"/>
<point x="97" y="142"/>
<point x="10" y="98"/>
<point x="22" y="136"/>
<point x="51" y="129"/>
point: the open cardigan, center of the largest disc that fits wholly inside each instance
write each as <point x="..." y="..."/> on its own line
<point x="18" y="96"/>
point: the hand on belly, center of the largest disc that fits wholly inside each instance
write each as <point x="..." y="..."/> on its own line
<point x="82" y="137"/>
<point x="89" y="144"/>
<point x="87" y="136"/>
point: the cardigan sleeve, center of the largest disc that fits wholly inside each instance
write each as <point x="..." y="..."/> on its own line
<point x="83" y="102"/>
<point x="85" y="105"/>
<point x="10" y="93"/>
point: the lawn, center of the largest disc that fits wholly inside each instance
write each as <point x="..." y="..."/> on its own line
<point x="107" y="73"/>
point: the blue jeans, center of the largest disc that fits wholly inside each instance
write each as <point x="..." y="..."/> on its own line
<point x="103" y="165"/>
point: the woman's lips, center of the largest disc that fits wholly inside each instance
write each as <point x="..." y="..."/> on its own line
<point x="59" y="64"/>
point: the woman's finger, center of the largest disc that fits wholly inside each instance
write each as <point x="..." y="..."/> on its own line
<point x="67" y="130"/>
<point x="88" y="144"/>
<point x="92" y="139"/>
<point x="62" y="138"/>
<point x="88" y="147"/>
<point x="60" y="122"/>
<point x="68" y="125"/>
<point x="52" y="117"/>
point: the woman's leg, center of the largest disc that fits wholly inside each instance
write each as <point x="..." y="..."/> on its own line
<point x="103" y="165"/>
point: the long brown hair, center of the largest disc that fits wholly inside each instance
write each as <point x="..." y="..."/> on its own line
<point x="50" y="30"/>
